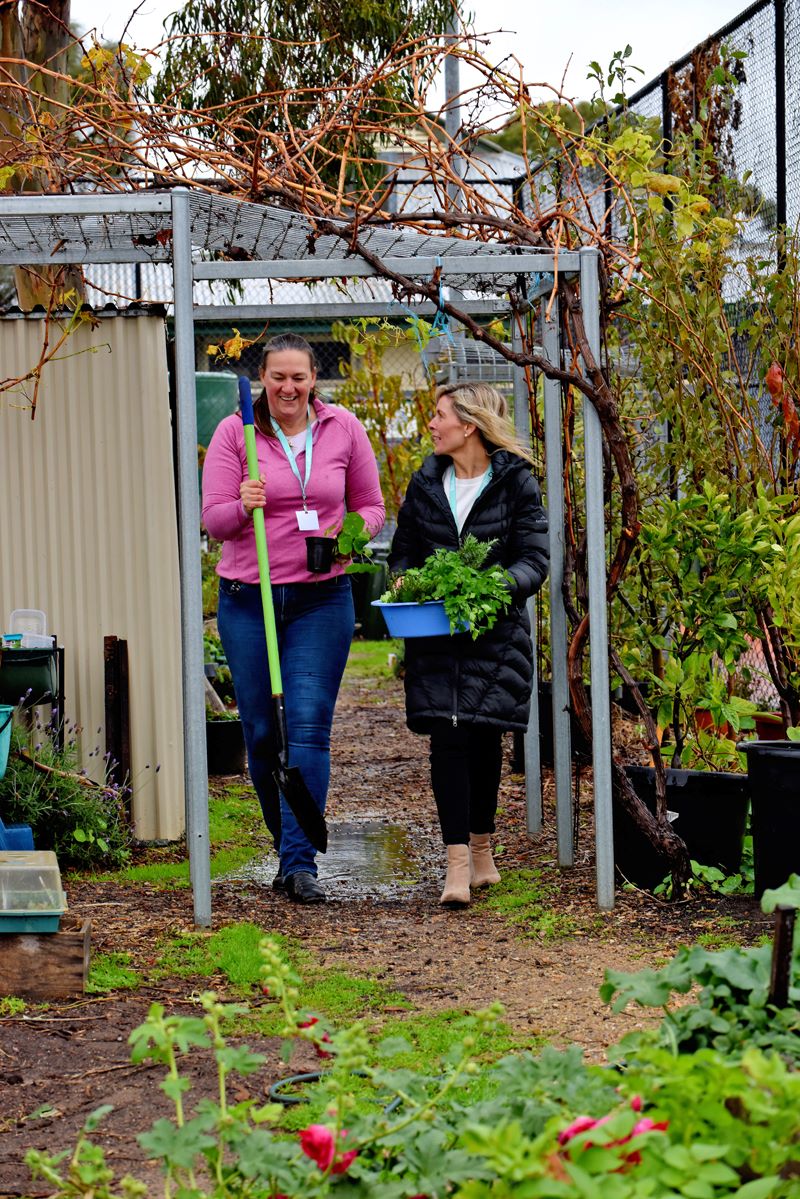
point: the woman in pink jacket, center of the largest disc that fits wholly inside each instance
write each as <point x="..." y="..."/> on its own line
<point x="316" y="463"/>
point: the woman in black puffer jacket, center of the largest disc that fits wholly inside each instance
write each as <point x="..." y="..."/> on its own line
<point x="465" y="693"/>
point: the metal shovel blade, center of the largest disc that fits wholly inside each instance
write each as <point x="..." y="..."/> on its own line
<point x="292" y="786"/>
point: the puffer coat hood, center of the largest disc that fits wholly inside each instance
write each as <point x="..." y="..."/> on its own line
<point x="487" y="680"/>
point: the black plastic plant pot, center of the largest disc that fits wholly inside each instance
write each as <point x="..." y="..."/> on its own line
<point x="773" y="768"/>
<point x="225" y="749"/>
<point x="319" y="554"/>
<point x="710" y="815"/>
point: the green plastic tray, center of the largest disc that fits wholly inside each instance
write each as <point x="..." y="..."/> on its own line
<point x="30" y="922"/>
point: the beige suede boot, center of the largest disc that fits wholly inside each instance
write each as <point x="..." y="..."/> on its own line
<point x="484" y="871"/>
<point x="456" y="884"/>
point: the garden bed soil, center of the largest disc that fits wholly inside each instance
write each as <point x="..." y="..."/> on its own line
<point x="58" y="1064"/>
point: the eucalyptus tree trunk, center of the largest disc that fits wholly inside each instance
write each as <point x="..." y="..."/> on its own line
<point x="35" y="35"/>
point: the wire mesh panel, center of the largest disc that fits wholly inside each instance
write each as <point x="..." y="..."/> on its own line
<point x="460" y="359"/>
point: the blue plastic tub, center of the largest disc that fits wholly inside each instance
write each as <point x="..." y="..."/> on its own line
<point x="6" y="713"/>
<point x="415" y="620"/>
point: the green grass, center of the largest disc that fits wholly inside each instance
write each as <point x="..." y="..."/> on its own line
<point x="370" y="659"/>
<point x="433" y="1039"/>
<point x="525" y="899"/>
<point x="111" y="972"/>
<point x="232" y="956"/>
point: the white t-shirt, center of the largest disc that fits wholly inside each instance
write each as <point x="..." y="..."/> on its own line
<point x="467" y="491"/>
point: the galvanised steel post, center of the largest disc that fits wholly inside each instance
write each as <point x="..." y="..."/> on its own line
<point x="533" y="765"/>
<point x="194" y="708"/>
<point x="452" y="111"/>
<point x="780" y="129"/>
<point x="598" y="620"/>
<point x="562" y="747"/>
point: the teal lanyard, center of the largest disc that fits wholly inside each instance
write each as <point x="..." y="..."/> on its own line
<point x="287" y="449"/>
<point x="452" y="498"/>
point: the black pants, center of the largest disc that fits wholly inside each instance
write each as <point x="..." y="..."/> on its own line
<point x="465" y="775"/>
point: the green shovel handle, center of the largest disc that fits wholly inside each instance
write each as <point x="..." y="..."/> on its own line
<point x="246" y="404"/>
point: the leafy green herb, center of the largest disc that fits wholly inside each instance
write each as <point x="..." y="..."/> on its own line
<point x="473" y="597"/>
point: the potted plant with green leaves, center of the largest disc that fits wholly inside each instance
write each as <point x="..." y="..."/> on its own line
<point x="225" y="749"/>
<point x="698" y="616"/>
<point x="450" y="593"/>
<point x="351" y="540"/>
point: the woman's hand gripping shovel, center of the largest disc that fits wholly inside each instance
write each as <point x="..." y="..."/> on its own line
<point x="288" y="778"/>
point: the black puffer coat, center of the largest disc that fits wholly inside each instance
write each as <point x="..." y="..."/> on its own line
<point x="487" y="680"/>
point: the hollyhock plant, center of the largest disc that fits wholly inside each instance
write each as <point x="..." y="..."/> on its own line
<point x="585" y="1123"/>
<point x="318" y="1142"/>
<point x="323" y="1040"/>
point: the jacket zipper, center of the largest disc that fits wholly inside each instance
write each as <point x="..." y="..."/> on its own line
<point x="456" y="681"/>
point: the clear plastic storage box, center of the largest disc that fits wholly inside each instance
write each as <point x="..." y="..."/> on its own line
<point x="31" y="898"/>
<point x="28" y="620"/>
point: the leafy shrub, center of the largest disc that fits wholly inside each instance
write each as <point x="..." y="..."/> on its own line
<point x="85" y="823"/>
<point x="210" y="579"/>
<point x="732" y="1011"/>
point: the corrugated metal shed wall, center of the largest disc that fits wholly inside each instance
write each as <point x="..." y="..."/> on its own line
<point x="89" y="535"/>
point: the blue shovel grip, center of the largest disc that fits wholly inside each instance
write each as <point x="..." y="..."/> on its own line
<point x="245" y="400"/>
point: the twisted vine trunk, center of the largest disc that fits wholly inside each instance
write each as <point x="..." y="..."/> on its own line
<point x="656" y="828"/>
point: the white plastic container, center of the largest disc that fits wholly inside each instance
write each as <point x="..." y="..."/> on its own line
<point x="28" y="620"/>
<point x="36" y="641"/>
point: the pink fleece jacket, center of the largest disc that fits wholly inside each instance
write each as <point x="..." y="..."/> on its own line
<point x="344" y="475"/>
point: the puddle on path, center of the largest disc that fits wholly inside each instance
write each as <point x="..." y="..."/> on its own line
<point x="364" y="858"/>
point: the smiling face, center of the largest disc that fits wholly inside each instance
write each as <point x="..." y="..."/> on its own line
<point x="448" y="432"/>
<point x="288" y="380"/>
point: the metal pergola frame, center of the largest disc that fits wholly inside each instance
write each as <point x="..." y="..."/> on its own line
<point x="179" y="227"/>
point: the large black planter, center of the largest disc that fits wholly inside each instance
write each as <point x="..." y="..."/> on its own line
<point x="225" y="747"/>
<point x="711" y="813"/>
<point x="773" y="768"/>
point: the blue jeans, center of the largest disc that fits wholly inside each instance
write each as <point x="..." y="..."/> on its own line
<point x="315" y="623"/>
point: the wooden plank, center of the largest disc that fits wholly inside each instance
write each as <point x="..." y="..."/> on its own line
<point x="46" y="965"/>
<point x="118" y="712"/>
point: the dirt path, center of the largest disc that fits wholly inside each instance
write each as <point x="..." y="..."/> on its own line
<point x="383" y="919"/>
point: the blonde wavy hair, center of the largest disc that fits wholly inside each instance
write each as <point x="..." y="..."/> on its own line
<point x="481" y="405"/>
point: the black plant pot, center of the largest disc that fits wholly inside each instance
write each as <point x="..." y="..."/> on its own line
<point x="710" y="815"/>
<point x="225" y="747"/>
<point x="773" y="768"/>
<point x="319" y="554"/>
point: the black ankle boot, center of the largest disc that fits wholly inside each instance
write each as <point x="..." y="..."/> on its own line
<point x="302" y="887"/>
